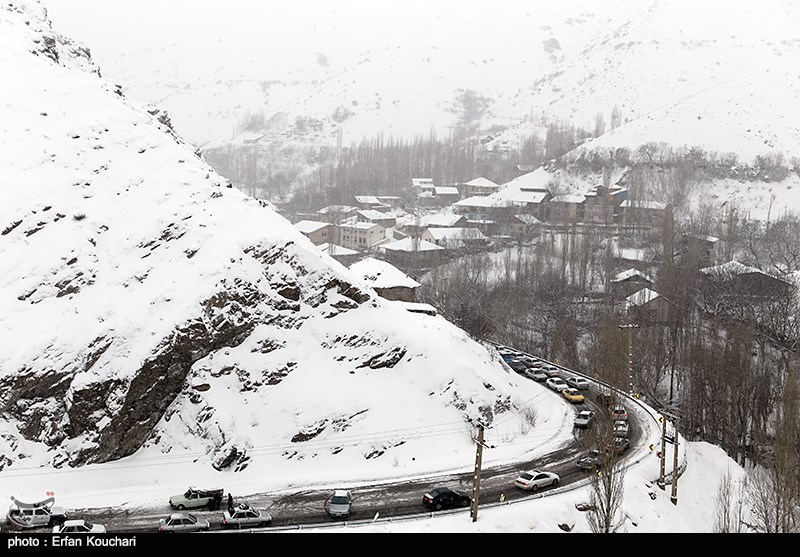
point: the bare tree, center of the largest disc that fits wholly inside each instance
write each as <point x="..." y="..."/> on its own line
<point x="729" y="509"/>
<point x="607" y="485"/>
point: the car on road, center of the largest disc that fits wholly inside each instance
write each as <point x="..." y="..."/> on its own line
<point x="619" y="413"/>
<point x="536" y="374"/>
<point x="551" y="370"/>
<point x="584" y="419"/>
<point x="183" y="522"/>
<point x="34" y="515"/>
<point x="195" y="498"/>
<point x="245" y="516"/>
<point x="78" y="527"/>
<point x="577" y="382"/>
<point x="445" y="498"/>
<point x="530" y="361"/>
<point x="556" y="384"/>
<point x="517" y="366"/>
<point x="339" y="504"/>
<point x="573" y="395"/>
<point x="621" y="428"/>
<point x="507" y="355"/>
<point x="590" y="461"/>
<point x="532" y="480"/>
<point x="621" y="444"/>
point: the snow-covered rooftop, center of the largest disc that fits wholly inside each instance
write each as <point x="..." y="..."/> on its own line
<point x="482" y="183"/>
<point x="446" y="190"/>
<point x="456" y="234"/>
<point x="440" y="220"/>
<point x="380" y="274"/>
<point x="333" y="249"/>
<point x="642" y="297"/>
<point x="568" y="198"/>
<point x="371" y="214"/>
<point x="310" y="226"/>
<point x="478" y="201"/>
<point x="734" y="268"/>
<point x="368" y="200"/>
<point x="629" y="273"/>
<point x="410" y="244"/>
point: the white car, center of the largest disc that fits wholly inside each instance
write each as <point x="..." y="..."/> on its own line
<point x="556" y="383"/>
<point x="244" y="516"/>
<point x="577" y="382"/>
<point x="79" y="527"/>
<point x="621" y="428"/>
<point x="583" y="419"/>
<point x="536" y="374"/>
<point x="532" y="480"/>
<point x="182" y="522"/>
<point x="339" y="504"/>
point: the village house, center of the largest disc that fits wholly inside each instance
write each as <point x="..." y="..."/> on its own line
<point x="697" y="251"/>
<point x="446" y="195"/>
<point x="566" y="209"/>
<point x="317" y="232"/>
<point x="733" y="282"/>
<point x="366" y="201"/>
<point x="629" y="282"/>
<point x="388" y="281"/>
<point x="413" y="254"/>
<point x="422" y="185"/>
<point x="479" y="187"/>
<point x="345" y="256"/>
<point x="414" y="226"/>
<point x="602" y="205"/>
<point x="525" y="194"/>
<point x="393" y="201"/>
<point x="376" y="217"/>
<point x="336" y="214"/>
<point x="455" y="238"/>
<point x="360" y="235"/>
<point x="476" y="207"/>
<point x="647" y="306"/>
<point x="647" y="213"/>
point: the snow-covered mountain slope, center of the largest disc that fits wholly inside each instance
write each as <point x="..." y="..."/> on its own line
<point x="714" y="74"/>
<point x="145" y="302"/>
<point x="392" y="67"/>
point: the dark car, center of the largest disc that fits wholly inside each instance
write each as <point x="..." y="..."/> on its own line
<point x="621" y="444"/>
<point x="590" y="461"/>
<point x="517" y="366"/>
<point x="445" y="498"/>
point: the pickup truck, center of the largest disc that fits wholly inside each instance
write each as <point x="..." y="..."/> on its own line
<point x="197" y="498"/>
<point x="35" y="515"/>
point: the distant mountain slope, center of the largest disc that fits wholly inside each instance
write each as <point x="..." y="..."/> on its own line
<point x="662" y="63"/>
<point x="146" y="303"/>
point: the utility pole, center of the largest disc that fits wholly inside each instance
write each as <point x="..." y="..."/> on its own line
<point x="476" y="478"/>
<point x="674" y="496"/>
<point x="630" y="327"/>
<point x="662" y="455"/>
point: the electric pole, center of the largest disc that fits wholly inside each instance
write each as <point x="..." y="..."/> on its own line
<point x="630" y="327"/>
<point x="476" y="478"/>
<point x="662" y="456"/>
<point x="674" y="496"/>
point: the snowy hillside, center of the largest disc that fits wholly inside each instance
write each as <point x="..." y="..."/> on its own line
<point x="399" y="74"/>
<point x="146" y="303"/>
<point x="713" y="73"/>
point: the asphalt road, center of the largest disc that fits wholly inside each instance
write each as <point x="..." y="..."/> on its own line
<point x="386" y="499"/>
